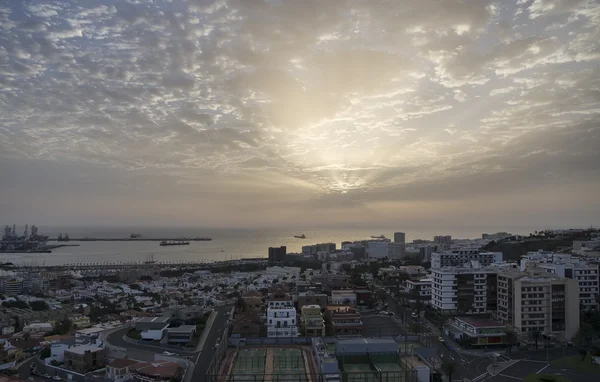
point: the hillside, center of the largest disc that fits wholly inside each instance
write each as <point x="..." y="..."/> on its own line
<point x="514" y="250"/>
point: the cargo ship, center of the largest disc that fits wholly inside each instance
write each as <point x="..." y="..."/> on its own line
<point x="166" y="243"/>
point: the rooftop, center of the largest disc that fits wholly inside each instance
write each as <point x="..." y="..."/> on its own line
<point x="154" y="319"/>
<point x="84" y="348"/>
<point x="480" y="323"/>
<point x="183" y="329"/>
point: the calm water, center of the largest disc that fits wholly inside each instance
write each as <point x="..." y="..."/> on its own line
<point x="234" y="243"/>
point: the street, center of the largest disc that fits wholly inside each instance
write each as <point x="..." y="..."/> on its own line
<point x="201" y="359"/>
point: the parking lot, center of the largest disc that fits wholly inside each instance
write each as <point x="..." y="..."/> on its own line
<point x="379" y="325"/>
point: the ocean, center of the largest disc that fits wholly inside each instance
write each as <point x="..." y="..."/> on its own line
<point x="226" y="243"/>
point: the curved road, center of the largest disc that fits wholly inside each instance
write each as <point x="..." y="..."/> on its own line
<point x="202" y="358"/>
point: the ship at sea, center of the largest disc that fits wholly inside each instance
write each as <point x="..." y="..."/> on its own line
<point x="300" y="236"/>
<point x="166" y="243"/>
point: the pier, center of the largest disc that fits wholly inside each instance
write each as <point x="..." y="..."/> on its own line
<point x="133" y="239"/>
<point x="124" y="265"/>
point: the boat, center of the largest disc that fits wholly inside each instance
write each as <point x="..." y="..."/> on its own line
<point x="300" y="236"/>
<point x="166" y="243"/>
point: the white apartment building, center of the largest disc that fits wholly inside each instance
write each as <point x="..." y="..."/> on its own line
<point x="282" y="322"/>
<point x="343" y="297"/>
<point x="378" y="249"/>
<point x="465" y="290"/>
<point x="459" y="257"/>
<point x="535" y="300"/>
<point x="563" y="265"/>
<point x="421" y="287"/>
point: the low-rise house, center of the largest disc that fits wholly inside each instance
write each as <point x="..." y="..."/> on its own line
<point x="120" y="368"/>
<point x="152" y="328"/>
<point x="156" y="371"/>
<point x="182" y="334"/>
<point x="85" y="358"/>
<point x="313" y="324"/>
<point x="343" y="320"/>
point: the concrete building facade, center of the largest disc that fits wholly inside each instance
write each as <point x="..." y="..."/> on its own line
<point x="535" y="300"/>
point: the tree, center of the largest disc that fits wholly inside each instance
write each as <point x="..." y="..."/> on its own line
<point x="535" y="335"/>
<point x="511" y="339"/>
<point x="448" y="368"/>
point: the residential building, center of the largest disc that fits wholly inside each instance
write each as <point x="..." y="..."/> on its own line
<point x="565" y="265"/>
<point x="12" y="286"/>
<point x="277" y="254"/>
<point x="288" y="272"/>
<point x="152" y="328"/>
<point x="477" y="332"/>
<point x="316" y="248"/>
<point x="396" y="250"/>
<point x="281" y="321"/>
<point x="458" y="258"/>
<point x="535" y="300"/>
<point x="421" y="288"/>
<point x="85" y="358"/>
<point x="343" y="297"/>
<point x="444" y="241"/>
<point x="343" y="320"/>
<point x="399" y="237"/>
<point x="119" y="368"/>
<point x="182" y="334"/>
<point x="156" y="371"/>
<point x="377" y="249"/>
<point x="279" y="298"/>
<point x="312" y="298"/>
<point x="465" y="290"/>
<point x="313" y="324"/>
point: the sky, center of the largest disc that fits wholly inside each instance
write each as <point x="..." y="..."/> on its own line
<point x="255" y="113"/>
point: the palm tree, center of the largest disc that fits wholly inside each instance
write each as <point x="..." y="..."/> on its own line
<point x="535" y="335"/>
<point x="448" y="368"/>
<point x="511" y="339"/>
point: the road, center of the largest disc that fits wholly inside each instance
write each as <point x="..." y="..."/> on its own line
<point x="201" y="358"/>
<point x="206" y="353"/>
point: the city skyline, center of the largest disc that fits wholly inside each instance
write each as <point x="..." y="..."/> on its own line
<point x="291" y="114"/>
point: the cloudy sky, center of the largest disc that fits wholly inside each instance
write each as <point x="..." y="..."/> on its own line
<point x="295" y="113"/>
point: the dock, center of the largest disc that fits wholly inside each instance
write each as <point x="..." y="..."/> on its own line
<point x="170" y="239"/>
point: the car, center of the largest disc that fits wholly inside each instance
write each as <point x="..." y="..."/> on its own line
<point x="168" y="353"/>
<point x="441" y="339"/>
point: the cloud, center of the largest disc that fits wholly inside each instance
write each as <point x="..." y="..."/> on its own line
<point x="343" y="99"/>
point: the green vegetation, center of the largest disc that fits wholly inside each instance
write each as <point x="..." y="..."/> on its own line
<point x="514" y="250"/>
<point x="545" y="378"/>
<point x="576" y="362"/>
<point x="134" y="334"/>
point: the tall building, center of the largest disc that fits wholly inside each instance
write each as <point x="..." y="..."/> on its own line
<point x="443" y="240"/>
<point x="277" y="254"/>
<point x="564" y="265"/>
<point x="399" y="237"/>
<point x="535" y="300"/>
<point x="378" y="249"/>
<point x="458" y="258"/>
<point x="465" y="290"/>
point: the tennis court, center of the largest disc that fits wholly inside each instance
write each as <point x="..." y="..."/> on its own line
<point x="249" y="366"/>
<point x="288" y="365"/>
